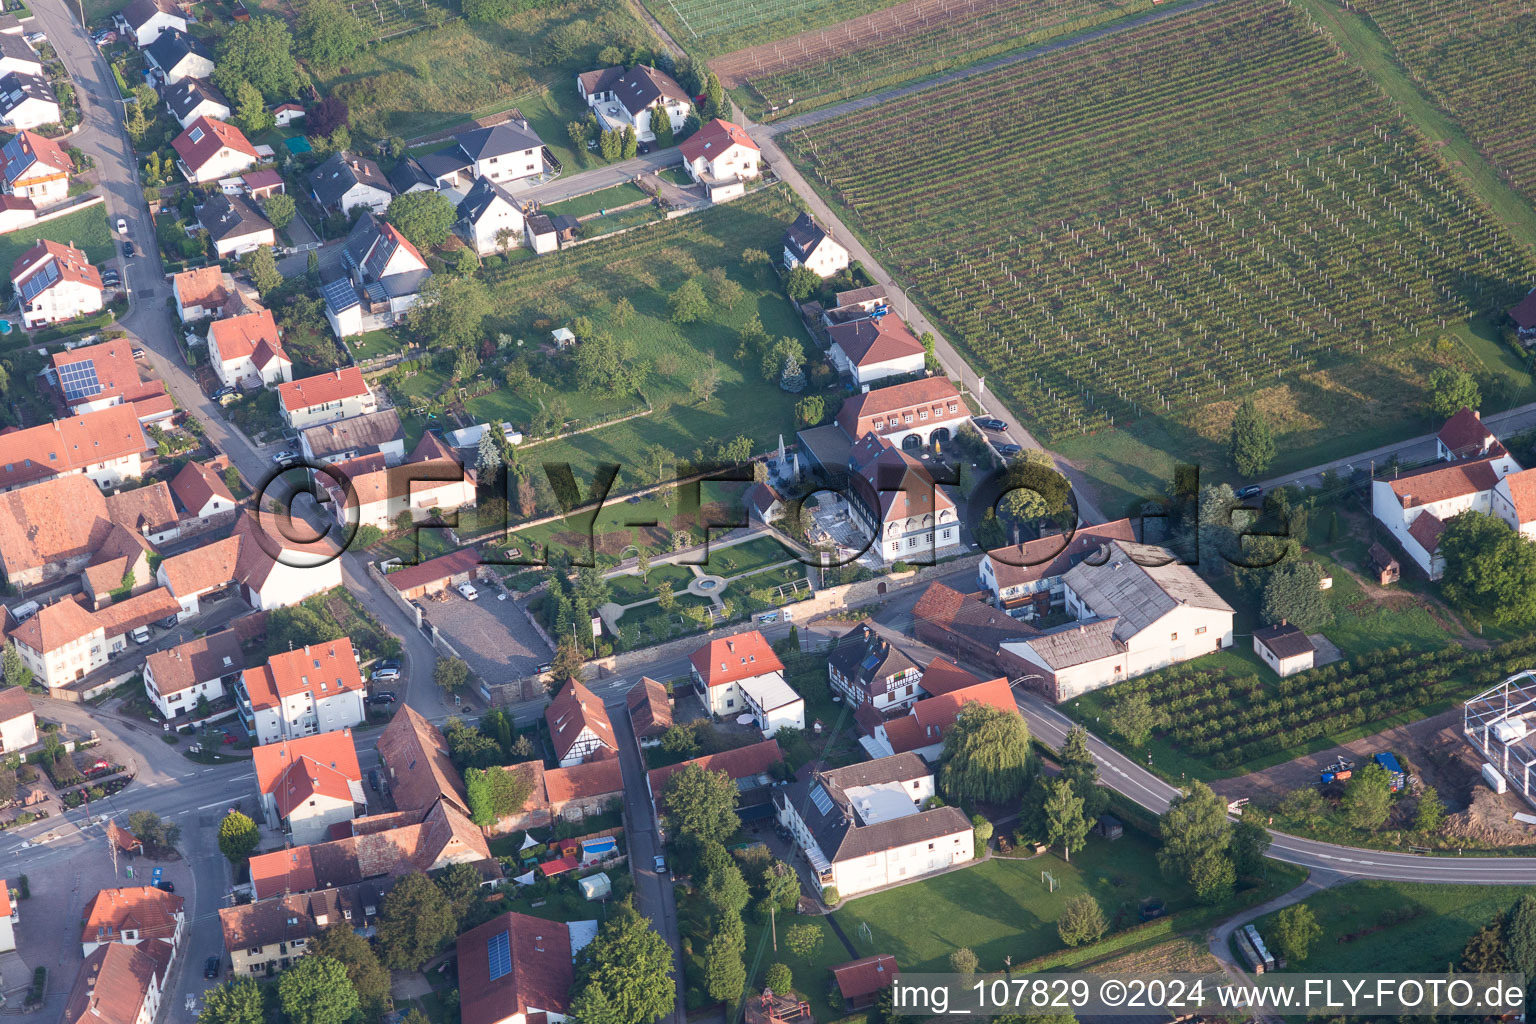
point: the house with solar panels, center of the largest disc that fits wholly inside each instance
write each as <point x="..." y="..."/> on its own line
<point x="384" y="275"/>
<point x="101" y="376"/>
<point x="55" y="282"/>
<point x="515" y="969"/>
<point x="864" y="826"/>
<point x="36" y="168"/>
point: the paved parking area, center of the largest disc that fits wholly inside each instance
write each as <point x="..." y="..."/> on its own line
<point x="494" y="637"/>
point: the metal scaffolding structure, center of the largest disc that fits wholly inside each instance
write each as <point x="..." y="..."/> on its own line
<point x="1498" y="722"/>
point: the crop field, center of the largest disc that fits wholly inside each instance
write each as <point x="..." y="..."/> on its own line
<point x="1146" y="224"/>
<point x="900" y="43"/>
<point x="720" y="26"/>
<point x="1467" y="55"/>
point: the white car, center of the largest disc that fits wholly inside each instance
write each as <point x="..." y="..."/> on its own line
<point x="122" y="226"/>
<point x="469" y="591"/>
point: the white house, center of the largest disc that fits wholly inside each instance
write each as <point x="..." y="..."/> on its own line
<point x="868" y="671"/>
<point x="1415" y="506"/>
<point x="55" y="282"/>
<point x="65" y="641"/>
<point x="1025" y="580"/>
<point x="630" y="98"/>
<point x="873" y="349"/>
<point x="490" y="220"/>
<point x="722" y="666"/>
<point x="807" y="245"/>
<point x="10" y="917"/>
<point x="1138" y="610"/>
<point x="142" y="21"/>
<point x="579" y="727"/>
<point x="373" y="433"/>
<point x="1284" y="648"/>
<point x="27" y="101"/>
<point x="344" y="182"/>
<point x="201" y="493"/>
<point x="721" y="157"/>
<point x="177" y="55"/>
<point x="309" y="690"/>
<point x="192" y="98"/>
<point x="176" y="678"/>
<point x="325" y="397"/>
<point x="210" y="149"/>
<point x="386" y="274"/>
<point x="18" y="724"/>
<point x="266" y="569"/>
<point x="16" y="54"/>
<point x="911" y="415"/>
<point x="895" y="504"/>
<point x="1465" y="437"/>
<point x="106" y="447"/>
<point x="503" y="152"/>
<point x="864" y="827"/>
<point x="431" y="477"/>
<point x="284" y="114"/>
<point x="142" y="917"/>
<point x="235" y="225"/>
<point x="247" y="351"/>
<point x="1514" y="501"/>
<point x="309" y="783"/>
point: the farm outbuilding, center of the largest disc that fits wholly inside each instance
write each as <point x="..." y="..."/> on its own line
<point x="1284" y="648"/>
<point x="427" y="578"/>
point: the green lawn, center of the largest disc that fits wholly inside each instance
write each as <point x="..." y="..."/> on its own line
<point x="603" y="199"/>
<point x="713" y="27"/>
<point x="1001" y="908"/>
<point x="812" y="975"/>
<point x="611" y="222"/>
<point x="739" y="559"/>
<point x="372" y="344"/>
<point x="88" y="230"/>
<point x="630" y="588"/>
<point x="1433" y="925"/>
<point x="676" y="175"/>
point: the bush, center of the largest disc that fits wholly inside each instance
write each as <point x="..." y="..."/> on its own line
<point x="779" y="978"/>
<point x="830" y="896"/>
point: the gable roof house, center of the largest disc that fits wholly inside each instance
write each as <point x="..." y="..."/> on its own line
<point x="1464" y="437"/>
<point x="314" y="689"/>
<point x="120" y="983"/>
<point x="385" y="274"/>
<point x="874" y="676"/>
<point x="176" y="55"/>
<point x="370" y="433"/>
<point x="247" y="351"/>
<point x="909" y="415"/>
<point x="1415" y="506"/>
<point x="921" y="731"/>
<point x="807" y="244"/>
<point x="235" y="225"/>
<point x="133" y="916"/>
<point x="201" y="493"/>
<point x="269" y="935"/>
<point x="861" y="981"/>
<point x="207" y="291"/>
<point x="175" y="678"/>
<point x="631" y="97"/>
<point x="65" y="640"/>
<point x="1025" y="579"/>
<point x="1138" y="610"/>
<point x="749" y="767"/>
<point x="27" y="101"/>
<point x="344" y="182"/>
<point x="489" y="219"/>
<point x="650" y="710"/>
<point x="724" y="668"/>
<point x="409" y="176"/>
<point x="144" y="20"/>
<point x="105" y="446"/>
<point x="18" y="729"/>
<point x="721" y="157"/>
<point x="863" y="827"/>
<point x="873" y="349"/>
<point x="1284" y="648"/>
<point x="1514" y="501"/>
<point x="192" y="98"/>
<point x="414" y="754"/>
<point x="325" y="397"/>
<point x="210" y="149"/>
<point x="431" y="477"/>
<point x="267" y="569"/>
<point x="309" y="783"/>
<point x="64" y="525"/>
<point x="16" y="54"/>
<point x="894" y="502"/>
<point x="503" y="152"/>
<point x="103" y="375"/>
<point x="36" y="168"/>
<point x="515" y="969"/>
<point x="579" y="728"/>
<point x="55" y="282"/>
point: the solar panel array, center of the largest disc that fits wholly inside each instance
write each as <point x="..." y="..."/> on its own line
<point x="78" y="380"/>
<point x="340" y="295"/>
<point x="499" y="949"/>
<point x="40" y="279"/>
<point x="821" y="799"/>
<point x="15" y="153"/>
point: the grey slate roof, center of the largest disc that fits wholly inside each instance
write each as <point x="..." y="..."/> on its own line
<point x="504" y="138"/>
<point x="183" y="97"/>
<point x="641" y="86"/>
<point x="340" y="173"/>
<point x="230" y="216"/>
<point x="867" y="659"/>
<point x="443" y="163"/>
<point x="407" y="174"/>
<point x="17" y="48"/>
<point x="16" y="88"/>
<point x="364" y="432"/>
<point x="480" y="198"/>
<point x="138" y="13"/>
<point x="173" y="47"/>
<point x="897" y="768"/>
<point x="1286" y="641"/>
<point x="1139" y="584"/>
<point x="1077" y="643"/>
<point x="837" y="830"/>
<point x="803" y="236"/>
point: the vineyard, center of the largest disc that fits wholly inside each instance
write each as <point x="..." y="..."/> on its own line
<point x="1149" y="222"/>
<point x="1230" y="721"/>
<point x="900" y="43"/>
<point x="720" y="26"/>
<point x="385" y="19"/>
<point x="1467" y="56"/>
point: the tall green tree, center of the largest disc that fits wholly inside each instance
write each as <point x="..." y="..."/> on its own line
<point x="629" y="967"/>
<point x="661" y="126"/>
<point x="251" y="113"/>
<point x="237" y="1001"/>
<point x="702" y="804"/>
<point x="1293" y="594"/>
<point x="368" y="977"/>
<point x="1064" y="823"/>
<point x="461" y="885"/>
<point x="1082" y="920"/>
<point x="725" y="972"/>
<point x="14" y="670"/>
<point x="415" y="921"/>
<point x="262" y="266"/>
<point x="259" y="51"/>
<point x="1520" y="936"/>
<point x="1489" y="568"/>
<point x="280" y="209"/>
<point x="495" y="792"/>
<point x="1196" y="836"/>
<point x="726" y="890"/>
<point x="1367" y="797"/>
<point x="1430" y="814"/>
<point x="688" y="303"/>
<point x="450" y="310"/>
<point x="1133" y="717"/>
<point x="451" y="674"/>
<point x="1450" y="391"/>
<point x="611" y="145"/>
<point x="1079" y="768"/>
<point x="1251" y="444"/>
<point x="1250" y="841"/>
<point x="629" y="143"/>
<point x="986" y="756"/>
<point x="577" y="132"/>
<point x="1295" y="929"/>
<point x="316" y="990"/>
<point x="328" y="33"/>
<point x="238" y="837"/>
<point x="425" y="218"/>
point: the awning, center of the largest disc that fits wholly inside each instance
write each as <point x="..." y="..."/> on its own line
<point x="528" y="841"/>
<point x="551" y="868"/>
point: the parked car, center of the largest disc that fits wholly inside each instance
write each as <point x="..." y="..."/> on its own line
<point x="1008" y="451"/>
<point x="393" y="663"/>
<point x="140" y="635"/>
<point x="129" y="250"/>
<point x="1251" y="491"/>
<point x="211" y="967"/>
<point x="385" y="675"/>
<point x="222" y="392"/>
<point x="373" y="779"/>
<point x="469" y="591"/>
<point x="990" y="423"/>
<point x="283" y="457"/>
<point x="37" y="37"/>
<point x="165" y="885"/>
<point x="660" y="863"/>
<point x="122" y="226"/>
<point x="138" y="353"/>
<point x="382" y="697"/>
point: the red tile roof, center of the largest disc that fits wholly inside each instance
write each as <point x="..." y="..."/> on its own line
<point x="1466" y="437"/>
<point x="867" y="976"/>
<point x="307" y="778"/>
<point x="201" y="287"/>
<point x="713" y="139"/>
<point x="344" y="382"/>
<point x="114" y="982"/>
<point x="1522" y="493"/>
<point x="283" y="871"/>
<point x="55" y="625"/>
<point x="145" y="909"/>
<point x="324" y="669"/>
<point x="211" y="137"/>
<point x="334" y="751"/>
<point x="1444" y="481"/>
<point x="70" y="445"/>
<point x="650" y="711"/>
<point x="538" y="971"/>
<point x="415" y="756"/>
<point x="202" y="569"/>
<point x="894" y="482"/>
<point x="740" y="763"/>
<point x="196" y="485"/>
<point x="250" y="334"/>
<point x="728" y="659"/>
<point x="931" y="718"/>
<point x="460" y="560"/>
<point x="584" y="781"/>
<point x="944" y="676"/>
<point x="872" y="411"/>
<point x="867" y="342"/>
<point x="574" y="709"/>
<point x="1426" y="529"/>
<point x="1047" y="557"/>
<point x="115" y="371"/>
<point x="73" y="265"/>
<point x="39" y="157"/>
<point x="14" y="703"/>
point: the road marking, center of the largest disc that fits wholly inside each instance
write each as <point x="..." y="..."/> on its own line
<point x="220" y="803"/>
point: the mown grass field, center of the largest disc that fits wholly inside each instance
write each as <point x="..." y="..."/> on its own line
<point x="1152" y="227"/>
<point x="87" y="230"/>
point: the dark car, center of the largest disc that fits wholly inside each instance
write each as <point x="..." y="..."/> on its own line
<point x="1251" y="491"/>
<point x="223" y="392"/>
<point x="384" y="697"/>
<point x="384" y="663"/>
<point x="373" y="779"/>
<point x="129" y="250"/>
<point x="211" y="967"/>
<point x="166" y="885"/>
<point x="990" y="423"/>
<point x="1008" y="451"/>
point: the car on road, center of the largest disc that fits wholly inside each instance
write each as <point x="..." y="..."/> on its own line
<point x="166" y="885"/>
<point x="283" y="457"/>
<point x="122" y="226"/>
<point x="129" y="250"/>
<point x="211" y="967"/>
<point x="1008" y="451"/>
<point x="373" y="779"/>
<point x="990" y="423"/>
<point x="1251" y="491"/>
<point x="468" y="591"/>
<point x="660" y="863"/>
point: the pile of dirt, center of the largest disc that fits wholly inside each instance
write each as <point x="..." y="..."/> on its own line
<point x="1489" y="821"/>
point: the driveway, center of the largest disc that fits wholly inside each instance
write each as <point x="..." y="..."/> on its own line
<point x="494" y="637"/>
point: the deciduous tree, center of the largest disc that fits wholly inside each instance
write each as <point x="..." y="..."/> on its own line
<point x="1489" y="568"/>
<point x="1367" y="797"/>
<point x="1450" y="391"/>
<point x="1249" y="842"/>
<point x="986" y="756"/>
<point x="237" y="1001"/>
<point x="259" y="51"/>
<point x="963" y="962"/>
<point x="1430" y="814"/>
<point x="725" y="973"/>
<point x="425" y="218"/>
<point x="701" y="804"/>
<point x="368" y="977"/>
<point x="451" y="674"/>
<point x="251" y="114"/>
<point x="450" y="310"/>
<point x="316" y="990"/>
<point x="627" y="968"/>
<point x="1064" y="823"/>
<point x="1079" y="768"/>
<point x="280" y="210"/>
<point x="415" y="920"/>
<point x="1081" y="921"/>
<point x="329" y="34"/>
<point x="1295" y="929"/>
<point x="1134" y="718"/>
<point x="1293" y="594"/>
<point x="495" y="793"/>
<point x="688" y="303"/>
<point x="1196" y="841"/>
<point x="803" y="940"/>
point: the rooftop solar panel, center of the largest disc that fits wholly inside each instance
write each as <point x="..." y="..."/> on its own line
<point x="78" y="380"/>
<point x="499" y="949"/>
<point x="821" y="799"/>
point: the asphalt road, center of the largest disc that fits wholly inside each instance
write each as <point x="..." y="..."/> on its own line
<point x="569" y="185"/>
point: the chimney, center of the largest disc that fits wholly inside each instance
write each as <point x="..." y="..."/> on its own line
<point x="306" y="650"/>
